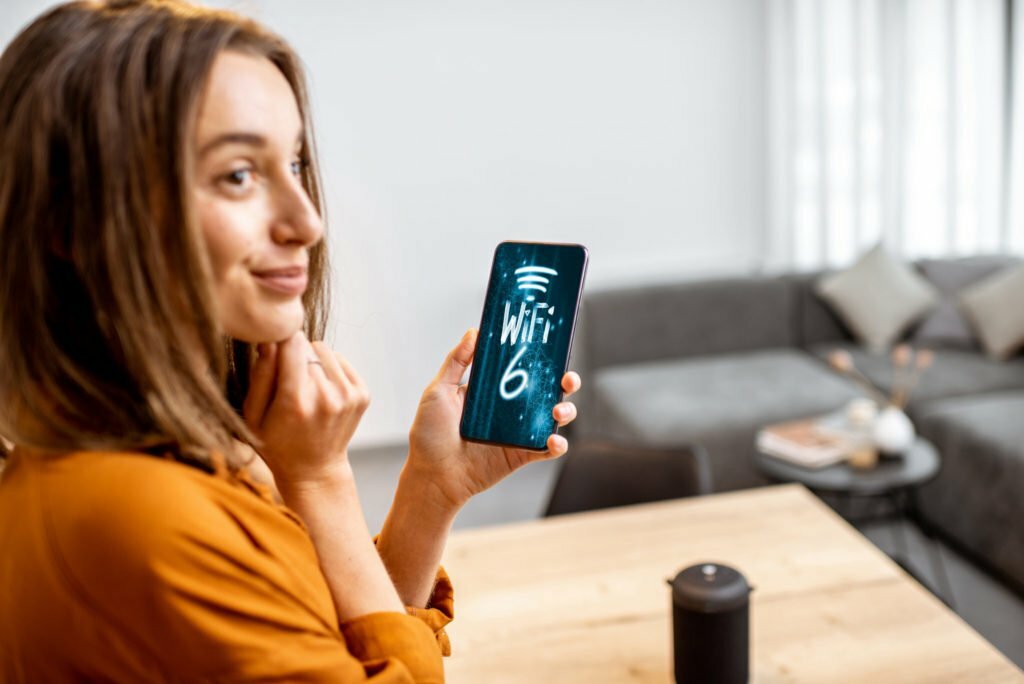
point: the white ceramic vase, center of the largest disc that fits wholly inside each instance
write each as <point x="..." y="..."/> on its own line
<point x="893" y="432"/>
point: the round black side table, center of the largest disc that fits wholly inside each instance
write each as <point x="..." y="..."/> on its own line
<point x="893" y="481"/>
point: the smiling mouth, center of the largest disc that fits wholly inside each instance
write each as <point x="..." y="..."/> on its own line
<point x="290" y="281"/>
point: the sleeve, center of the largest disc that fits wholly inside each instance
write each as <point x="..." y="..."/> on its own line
<point x="203" y="591"/>
<point x="440" y="610"/>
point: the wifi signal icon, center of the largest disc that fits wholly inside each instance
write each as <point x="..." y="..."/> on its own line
<point x="529" y="279"/>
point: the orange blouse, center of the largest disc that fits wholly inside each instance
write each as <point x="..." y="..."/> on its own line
<point x="127" y="567"/>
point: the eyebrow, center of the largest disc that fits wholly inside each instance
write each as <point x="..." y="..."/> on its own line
<point x="242" y="138"/>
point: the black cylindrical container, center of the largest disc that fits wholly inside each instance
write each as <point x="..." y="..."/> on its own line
<point x="711" y="625"/>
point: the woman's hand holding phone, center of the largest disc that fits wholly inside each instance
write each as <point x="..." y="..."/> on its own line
<point x="458" y="469"/>
<point x="444" y="471"/>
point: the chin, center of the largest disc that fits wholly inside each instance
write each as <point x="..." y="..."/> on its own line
<point x="268" y="330"/>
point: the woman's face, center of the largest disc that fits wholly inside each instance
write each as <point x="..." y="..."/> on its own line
<point x="256" y="218"/>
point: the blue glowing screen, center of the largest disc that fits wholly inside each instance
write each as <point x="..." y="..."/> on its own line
<point x="523" y="347"/>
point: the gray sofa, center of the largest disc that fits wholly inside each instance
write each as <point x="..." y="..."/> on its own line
<point x="711" y="362"/>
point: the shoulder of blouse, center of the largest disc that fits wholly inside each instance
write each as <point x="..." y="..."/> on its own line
<point x="124" y="523"/>
<point x="226" y="574"/>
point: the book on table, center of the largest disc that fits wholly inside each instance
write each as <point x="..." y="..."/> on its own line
<point x="809" y="442"/>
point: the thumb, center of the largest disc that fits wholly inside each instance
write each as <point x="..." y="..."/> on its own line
<point x="458" y="359"/>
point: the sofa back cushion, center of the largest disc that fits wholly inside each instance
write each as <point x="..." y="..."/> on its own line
<point x="815" y="322"/>
<point x="704" y="317"/>
<point x="946" y="326"/>
<point x="668" y="321"/>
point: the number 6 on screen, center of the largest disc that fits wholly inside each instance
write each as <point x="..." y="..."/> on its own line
<point x="525" y="339"/>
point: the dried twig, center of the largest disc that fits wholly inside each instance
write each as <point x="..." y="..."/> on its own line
<point x="841" y="361"/>
<point x="924" y="360"/>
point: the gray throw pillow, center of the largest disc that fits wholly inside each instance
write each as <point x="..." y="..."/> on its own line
<point x="993" y="308"/>
<point x="878" y="298"/>
<point x="945" y="326"/>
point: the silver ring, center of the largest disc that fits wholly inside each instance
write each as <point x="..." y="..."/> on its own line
<point x="315" y="361"/>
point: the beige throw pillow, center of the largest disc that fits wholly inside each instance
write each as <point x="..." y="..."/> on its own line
<point x="878" y="298"/>
<point x="993" y="306"/>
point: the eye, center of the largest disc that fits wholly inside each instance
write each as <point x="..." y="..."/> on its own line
<point x="238" y="178"/>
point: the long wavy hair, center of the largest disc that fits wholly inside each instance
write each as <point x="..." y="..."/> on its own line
<point x="105" y="286"/>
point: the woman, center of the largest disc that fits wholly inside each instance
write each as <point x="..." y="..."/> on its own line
<point x="163" y="271"/>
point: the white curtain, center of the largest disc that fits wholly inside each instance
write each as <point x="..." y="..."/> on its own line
<point x="1015" y="199"/>
<point x="887" y="122"/>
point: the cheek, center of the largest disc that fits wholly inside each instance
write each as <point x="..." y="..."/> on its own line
<point x="227" y="240"/>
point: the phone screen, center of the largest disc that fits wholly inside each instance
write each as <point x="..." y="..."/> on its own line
<point x="524" y="343"/>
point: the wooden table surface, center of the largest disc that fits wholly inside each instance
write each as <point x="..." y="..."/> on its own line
<point x="583" y="598"/>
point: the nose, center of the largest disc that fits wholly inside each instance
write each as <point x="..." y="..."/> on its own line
<point x="297" y="221"/>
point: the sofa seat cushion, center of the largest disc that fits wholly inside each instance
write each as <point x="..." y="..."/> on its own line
<point x="978" y="496"/>
<point x="719" y="402"/>
<point x="954" y="373"/>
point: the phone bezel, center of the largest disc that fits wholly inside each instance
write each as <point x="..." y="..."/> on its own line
<point x="568" y="356"/>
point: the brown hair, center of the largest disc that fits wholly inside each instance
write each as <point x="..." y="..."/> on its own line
<point x="105" y="295"/>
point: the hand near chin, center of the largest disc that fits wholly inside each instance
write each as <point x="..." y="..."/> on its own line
<point x="455" y="468"/>
<point x="304" y="402"/>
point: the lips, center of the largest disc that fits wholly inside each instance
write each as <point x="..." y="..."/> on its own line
<point x="290" y="280"/>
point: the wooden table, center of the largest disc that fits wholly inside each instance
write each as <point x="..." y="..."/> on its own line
<point x="583" y="598"/>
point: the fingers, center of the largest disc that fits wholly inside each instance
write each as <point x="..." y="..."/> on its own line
<point x="458" y="360"/>
<point x="329" y="363"/>
<point x="557" y="446"/>
<point x="293" y="359"/>
<point x="571" y="383"/>
<point x="341" y="377"/>
<point x="327" y="384"/>
<point x="360" y="392"/>
<point x="350" y="373"/>
<point x="564" y="413"/>
<point x="262" y="377"/>
<point x="328" y="376"/>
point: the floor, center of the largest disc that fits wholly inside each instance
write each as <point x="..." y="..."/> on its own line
<point x="994" y="611"/>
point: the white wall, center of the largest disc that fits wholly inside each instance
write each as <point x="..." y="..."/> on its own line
<point x="632" y="126"/>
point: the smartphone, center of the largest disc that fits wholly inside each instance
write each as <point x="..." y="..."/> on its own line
<point x="523" y="348"/>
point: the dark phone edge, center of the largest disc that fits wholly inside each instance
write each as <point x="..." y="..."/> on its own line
<point x="568" y="356"/>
